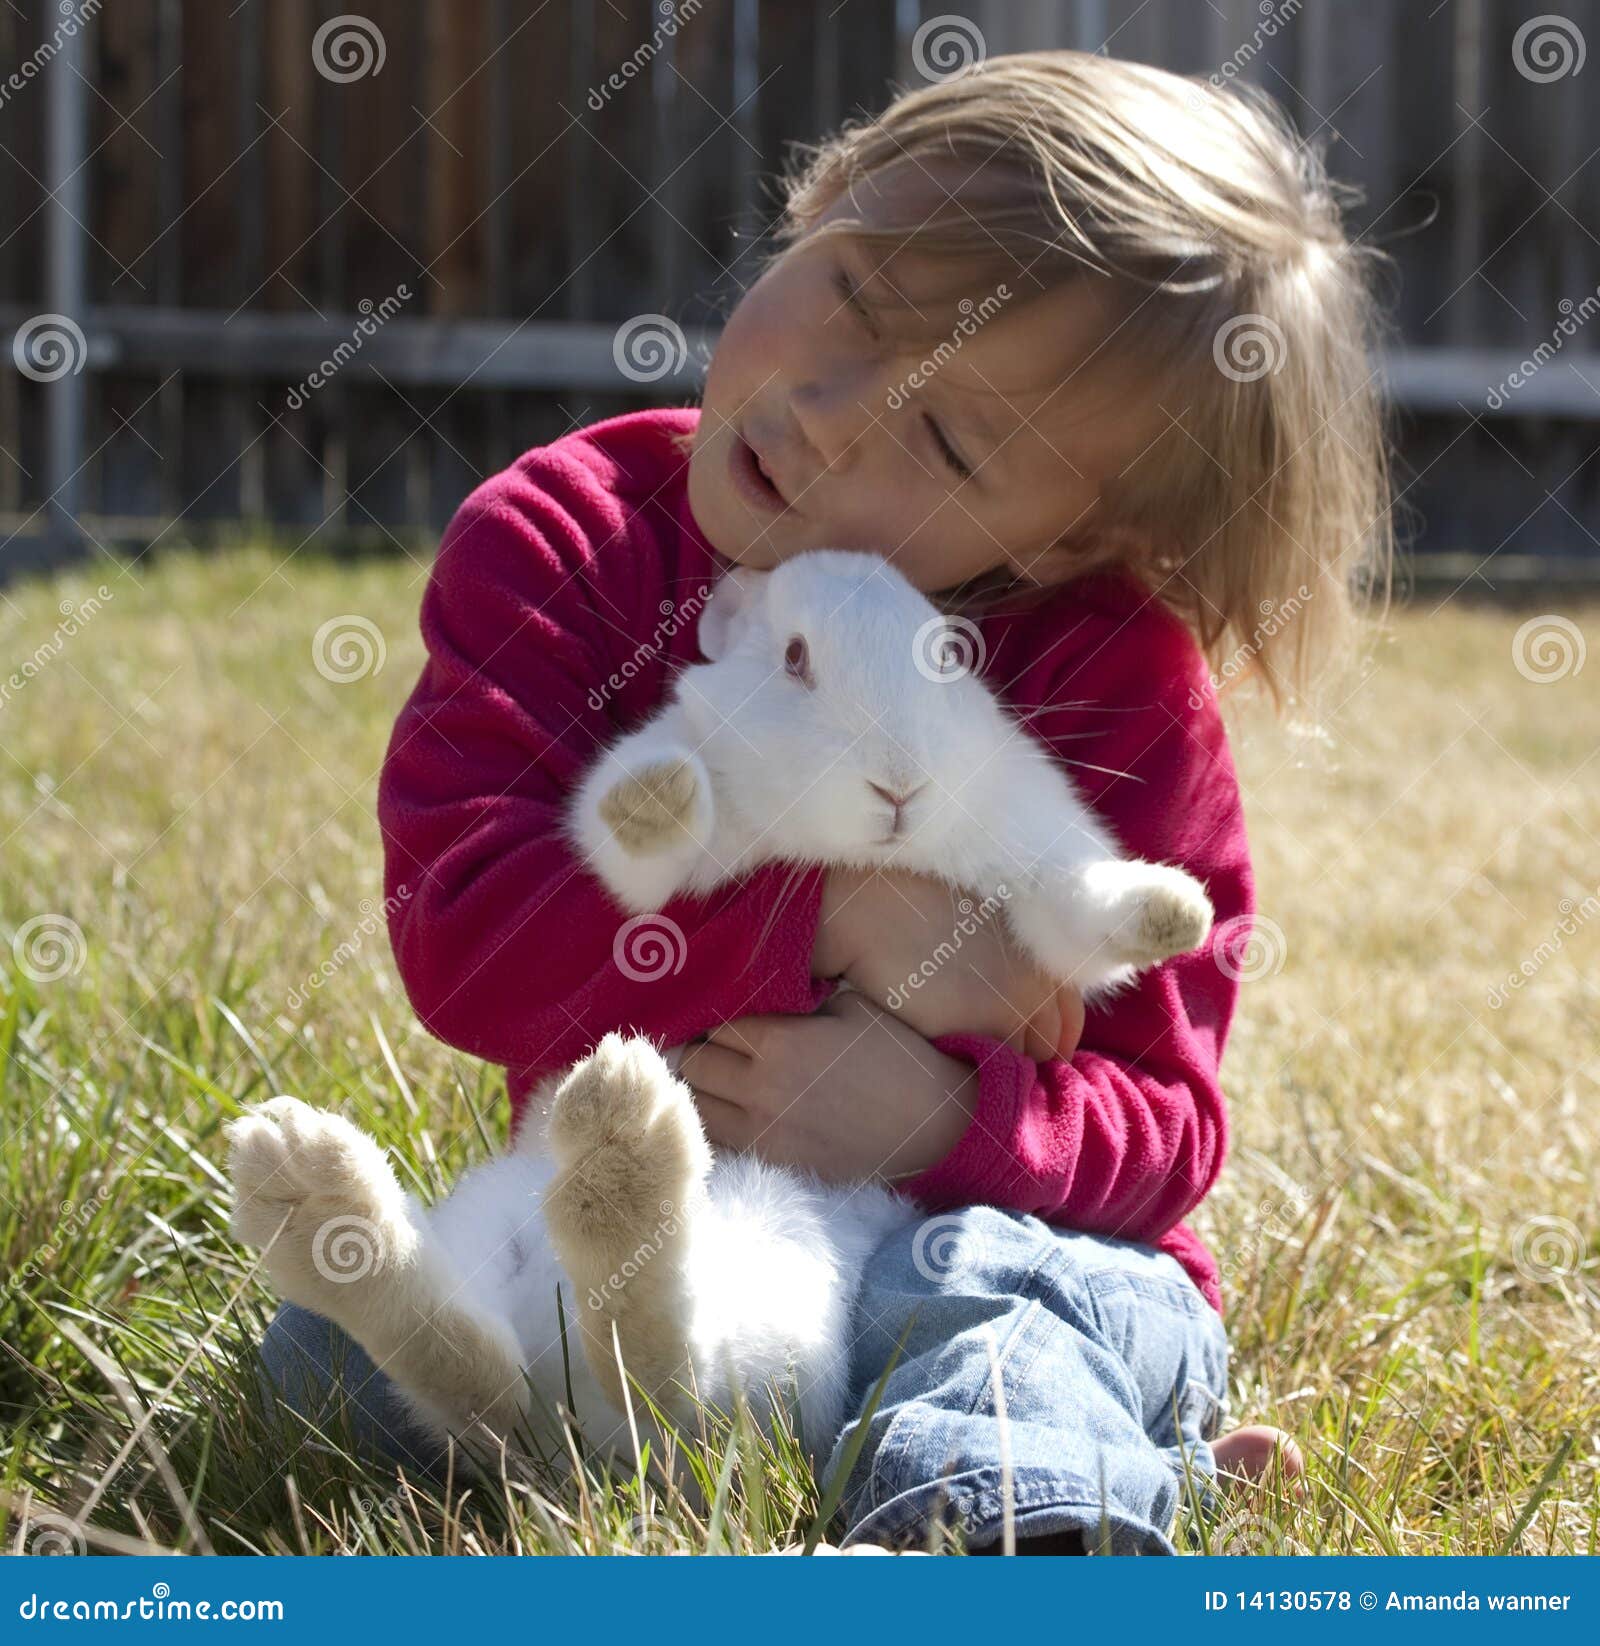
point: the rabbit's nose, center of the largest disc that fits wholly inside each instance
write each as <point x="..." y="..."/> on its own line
<point x="896" y="800"/>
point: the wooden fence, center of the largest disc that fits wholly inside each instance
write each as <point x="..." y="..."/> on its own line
<point x="458" y="207"/>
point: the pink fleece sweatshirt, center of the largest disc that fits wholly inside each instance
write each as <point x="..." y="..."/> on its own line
<point x="550" y="627"/>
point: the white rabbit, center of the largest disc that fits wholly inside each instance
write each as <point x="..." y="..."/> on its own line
<point x="835" y="723"/>
<point x="838" y="722"/>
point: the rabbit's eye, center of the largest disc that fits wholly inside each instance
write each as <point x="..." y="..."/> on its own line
<point x="797" y="658"/>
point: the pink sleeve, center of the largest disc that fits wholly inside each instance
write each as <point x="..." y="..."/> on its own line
<point x="508" y="946"/>
<point x="1127" y="1137"/>
<point x="1124" y="1142"/>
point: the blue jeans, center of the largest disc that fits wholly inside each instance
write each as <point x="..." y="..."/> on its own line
<point x="1113" y="1377"/>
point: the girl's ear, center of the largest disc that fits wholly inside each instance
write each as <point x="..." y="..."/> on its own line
<point x="725" y="610"/>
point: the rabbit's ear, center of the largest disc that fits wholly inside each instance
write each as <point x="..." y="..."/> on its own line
<point x="725" y="610"/>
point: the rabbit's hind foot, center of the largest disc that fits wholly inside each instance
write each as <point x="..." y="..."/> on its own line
<point x="629" y="1150"/>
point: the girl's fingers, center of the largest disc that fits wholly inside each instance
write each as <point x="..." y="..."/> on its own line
<point x="1056" y="1028"/>
<point x="1042" y="1032"/>
<point x="715" y="1069"/>
<point x="736" y="1034"/>
<point x="726" y="1124"/>
<point x="1070" y="1004"/>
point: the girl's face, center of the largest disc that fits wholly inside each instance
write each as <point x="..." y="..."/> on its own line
<point x="950" y="457"/>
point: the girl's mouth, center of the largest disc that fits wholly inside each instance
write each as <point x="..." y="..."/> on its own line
<point x="751" y="480"/>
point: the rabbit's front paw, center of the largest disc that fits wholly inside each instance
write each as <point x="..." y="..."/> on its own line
<point x="1175" y="919"/>
<point x="656" y="806"/>
<point x="317" y="1196"/>
<point x="1160" y="911"/>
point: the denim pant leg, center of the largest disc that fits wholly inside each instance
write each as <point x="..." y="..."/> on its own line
<point x="1113" y="1376"/>
<point x="319" y="1372"/>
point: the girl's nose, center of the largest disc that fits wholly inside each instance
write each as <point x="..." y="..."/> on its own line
<point x="835" y="416"/>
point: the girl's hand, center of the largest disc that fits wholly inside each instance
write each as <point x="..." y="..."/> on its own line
<point x="904" y="941"/>
<point x="849" y="1092"/>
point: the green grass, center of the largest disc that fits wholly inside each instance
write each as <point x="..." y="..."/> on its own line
<point x="1408" y="1221"/>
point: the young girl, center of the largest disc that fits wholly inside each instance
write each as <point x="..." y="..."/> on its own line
<point x="1081" y="347"/>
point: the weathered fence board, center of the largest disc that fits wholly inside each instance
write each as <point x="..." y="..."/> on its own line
<point x="508" y="185"/>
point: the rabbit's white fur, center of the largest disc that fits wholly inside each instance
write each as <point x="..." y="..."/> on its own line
<point x="708" y="1276"/>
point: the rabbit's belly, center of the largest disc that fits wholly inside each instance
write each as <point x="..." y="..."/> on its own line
<point x="775" y="1263"/>
<point x="493" y="1228"/>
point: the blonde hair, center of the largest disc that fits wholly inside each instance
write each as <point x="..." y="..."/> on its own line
<point x="1261" y="512"/>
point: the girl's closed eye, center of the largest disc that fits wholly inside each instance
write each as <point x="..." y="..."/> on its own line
<point x="952" y="458"/>
<point x="850" y="294"/>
